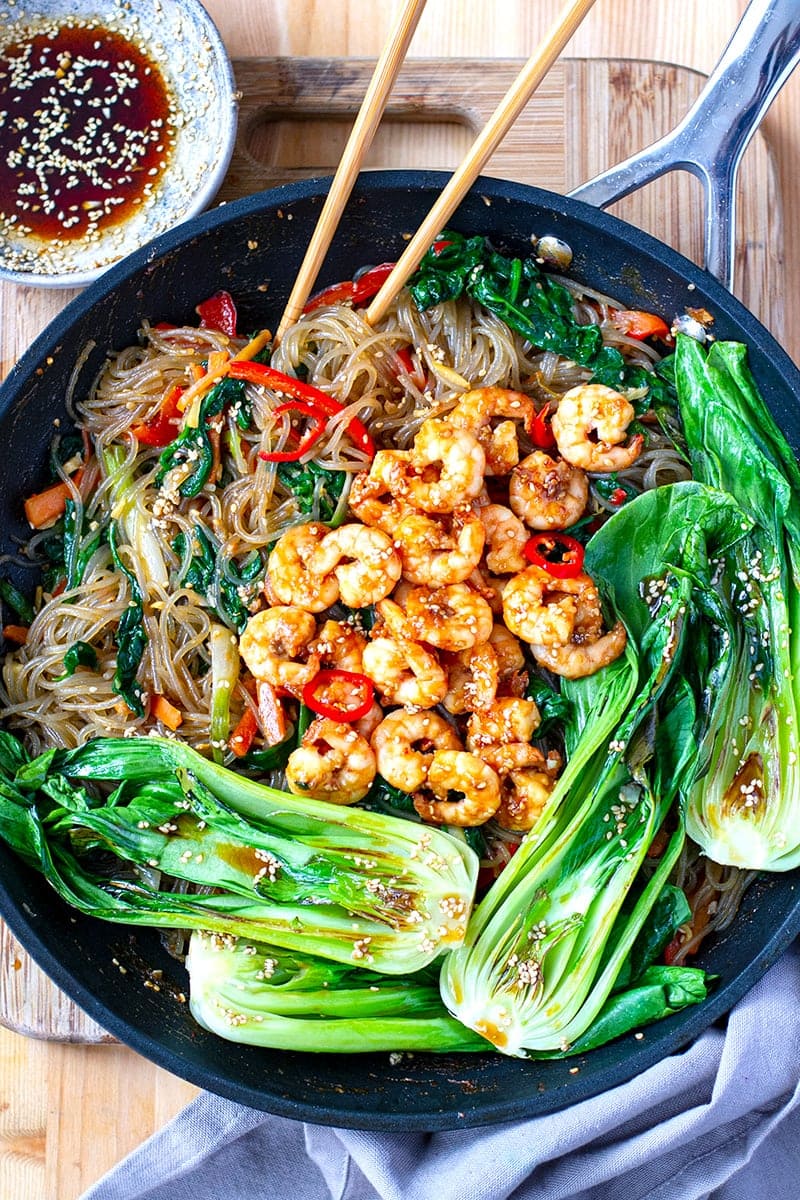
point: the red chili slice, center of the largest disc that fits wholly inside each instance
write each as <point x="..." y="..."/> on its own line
<point x="312" y="411"/>
<point x="218" y="312"/>
<point x="541" y="431"/>
<point x="323" y="678"/>
<point x="253" y="372"/>
<point x="541" y="545"/>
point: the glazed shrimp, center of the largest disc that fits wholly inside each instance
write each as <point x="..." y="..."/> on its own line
<point x="458" y="772"/>
<point x="362" y="561"/>
<point x="373" y="503"/>
<point x="524" y="796"/>
<point x="510" y="659"/>
<point x="404" y="745"/>
<point x="590" y="425"/>
<point x="405" y="673"/>
<point x="450" y="618"/>
<point x="547" y="493"/>
<point x="476" y="410"/>
<point x="448" y="468"/>
<point x="505" y="539"/>
<point x="576" y="659"/>
<point x="288" y="576"/>
<point x="276" y="646"/>
<point x="332" y="762"/>
<point x="509" y="719"/>
<point x="439" y="550"/>
<point x="339" y="645"/>
<point x="473" y="676"/>
<point x="540" y="608"/>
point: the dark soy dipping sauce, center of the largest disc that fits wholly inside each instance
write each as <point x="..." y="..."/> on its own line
<point x="85" y="131"/>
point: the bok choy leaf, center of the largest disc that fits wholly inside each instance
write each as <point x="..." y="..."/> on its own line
<point x="353" y="886"/>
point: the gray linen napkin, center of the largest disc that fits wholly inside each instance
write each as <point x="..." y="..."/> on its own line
<point x="720" y="1121"/>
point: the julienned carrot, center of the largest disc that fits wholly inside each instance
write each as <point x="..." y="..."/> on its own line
<point x="16" y="633"/>
<point x="271" y="714"/>
<point x="202" y="385"/>
<point x="43" y="509"/>
<point x="242" y="737"/>
<point x="166" y="712"/>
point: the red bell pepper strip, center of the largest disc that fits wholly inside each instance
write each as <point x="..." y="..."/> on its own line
<point x="218" y="312"/>
<point x="353" y="679"/>
<point x="162" y="428"/>
<point x="337" y="293"/>
<point x="441" y="245"/>
<point x="371" y="282"/>
<point x="253" y="372"/>
<point x="540" y="429"/>
<point x="541" y="545"/>
<point x="304" y="445"/>
<point x="639" y="325"/>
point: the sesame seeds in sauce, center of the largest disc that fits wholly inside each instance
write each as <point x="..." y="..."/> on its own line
<point x="85" y="131"/>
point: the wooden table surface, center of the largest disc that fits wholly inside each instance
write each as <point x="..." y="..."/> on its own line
<point x="68" y="1113"/>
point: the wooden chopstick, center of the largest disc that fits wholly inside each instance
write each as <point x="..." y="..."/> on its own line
<point x="482" y="148"/>
<point x="358" y="143"/>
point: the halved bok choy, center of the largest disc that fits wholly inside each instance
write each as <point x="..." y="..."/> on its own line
<point x="744" y="807"/>
<point x="340" y="883"/>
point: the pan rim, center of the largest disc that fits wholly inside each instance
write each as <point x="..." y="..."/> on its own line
<point x="674" y="1033"/>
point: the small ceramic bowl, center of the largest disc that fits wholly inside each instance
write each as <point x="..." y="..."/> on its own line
<point x="177" y="175"/>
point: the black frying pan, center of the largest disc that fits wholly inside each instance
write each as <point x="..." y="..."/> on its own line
<point x="165" y="281"/>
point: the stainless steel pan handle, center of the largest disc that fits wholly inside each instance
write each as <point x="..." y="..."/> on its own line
<point x="710" y="140"/>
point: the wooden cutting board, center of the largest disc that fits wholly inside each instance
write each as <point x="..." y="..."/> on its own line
<point x="295" y="117"/>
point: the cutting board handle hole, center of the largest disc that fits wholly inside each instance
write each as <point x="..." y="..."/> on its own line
<point x="312" y="142"/>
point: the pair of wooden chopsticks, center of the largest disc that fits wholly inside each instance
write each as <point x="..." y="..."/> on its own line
<point x="463" y="177"/>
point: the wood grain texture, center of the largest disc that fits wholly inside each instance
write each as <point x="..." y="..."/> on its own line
<point x="46" y="1088"/>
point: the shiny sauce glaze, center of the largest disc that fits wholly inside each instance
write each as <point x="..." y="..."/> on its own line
<point x="86" y="128"/>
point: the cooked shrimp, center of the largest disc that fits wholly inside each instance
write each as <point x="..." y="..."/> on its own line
<point x="332" y="762"/>
<point x="276" y="645"/>
<point x="490" y="587"/>
<point x="473" y="676"/>
<point x="448" y="468"/>
<point x="590" y="425"/>
<point x="338" y="644"/>
<point x="505" y="538"/>
<point x="373" y="503"/>
<point x="367" y="724"/>
<point x="540" y="608"/>
<point x="361" y="559"/>
<point x="404" y="745"/>
<point x="476" y="410"/>
<point x="510" y="658"/>
<point x="289" y="579"/>
<point x="547" y="493"/>
<point x="524" y="796"/>
<point x="450" y="618"/>
<point x="442" y="549"/>
<point x="576" y="659"/>
<point x="405" y="673"/>
<point x="509" y="719"/>
<point x="458" y="773"/>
